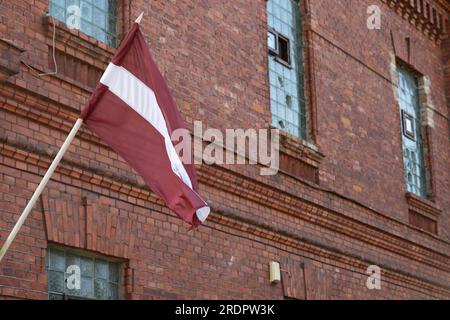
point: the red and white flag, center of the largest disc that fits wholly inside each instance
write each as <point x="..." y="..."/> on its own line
<point x="133" y="111"/>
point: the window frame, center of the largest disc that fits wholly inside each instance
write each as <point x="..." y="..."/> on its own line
<point x="273" y="51"/>
<point x="277" y="51"/>
<point x="89" y="255"/>
<point x="419" y="140"/>
<point x="278" y="57"/>
<point x="296" y="119"/>
<point x="408" y="117"/>
<point x="107" y="33"/>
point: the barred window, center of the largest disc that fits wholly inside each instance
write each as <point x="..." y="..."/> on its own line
<point x="98" y="277"/>
<point x="96" y="18"/>
<point x="286" y="66"/>
<point x="411" y="133"/>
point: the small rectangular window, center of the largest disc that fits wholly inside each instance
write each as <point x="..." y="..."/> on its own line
<point x="81" y="275"/>
<point x="279" y="46"/>
<point x="96" y="18"/>
<point x="284" y="50"/>
<point x="408" y="125"/>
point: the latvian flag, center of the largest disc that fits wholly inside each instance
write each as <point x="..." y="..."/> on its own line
<point x="133" y="111"/>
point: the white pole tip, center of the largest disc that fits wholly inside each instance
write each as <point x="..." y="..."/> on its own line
<point x="138" y="20"/>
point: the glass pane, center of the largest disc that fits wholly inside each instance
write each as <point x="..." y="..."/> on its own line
<point x="56" y="281"/>
<point x="86" y="27"/>
<point x="74" y="291"/>
<point x="100" y="289"/>
<point x="113" y="291"/>
<point x="86" y="11"/>
<point x="60" y="3"/>
<point x="57" y="260"/>
<point x="57" y="12"/>
<point x="72" y="3"/>
<point x="72" y="259"/>
<point x="99" y="3"/>
<point x="99" y="18"/>
<point x="86" y="287"/>
<point x="113" y="272"/>
<point x="101" y="269"/>
<point x="98" y="34"/>
<point x="271" y="40"/>
<point x="87" y="267"/>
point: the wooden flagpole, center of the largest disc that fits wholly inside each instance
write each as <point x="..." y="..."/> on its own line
<point x="40" y="187"/>
<point x="37" y="193"/>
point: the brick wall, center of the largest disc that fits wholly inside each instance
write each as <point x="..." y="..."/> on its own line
<point x="214" y="58"/>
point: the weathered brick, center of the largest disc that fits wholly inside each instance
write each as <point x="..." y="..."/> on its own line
<point x="350" y="212"/>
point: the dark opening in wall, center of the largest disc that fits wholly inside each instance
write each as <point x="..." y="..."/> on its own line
<point x="284" y="49"/>
<point x="279" y="46"/>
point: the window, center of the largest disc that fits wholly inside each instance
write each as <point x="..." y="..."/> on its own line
<point x="279" y="47"/>
<point x="96" y="18"/>
<point x="284" y="51"/>
<point x="411" y="133"/>
<point x="272" y="41"/>
<point x="286" y="66"/>
<point x="98" y="278"/>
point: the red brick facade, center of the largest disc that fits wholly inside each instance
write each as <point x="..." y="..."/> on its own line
<point x="337" y="205"/>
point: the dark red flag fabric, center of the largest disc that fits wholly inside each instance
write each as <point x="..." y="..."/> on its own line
<point x="133" y="111"/>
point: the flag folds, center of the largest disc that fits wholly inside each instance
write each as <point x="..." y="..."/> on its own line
<point x="133" y="111"/>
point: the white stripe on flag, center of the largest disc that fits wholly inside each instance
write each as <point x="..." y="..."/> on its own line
<point x="138" y="96"/>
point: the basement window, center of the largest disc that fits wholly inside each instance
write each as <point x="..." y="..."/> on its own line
<point x="77" y="274"/>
